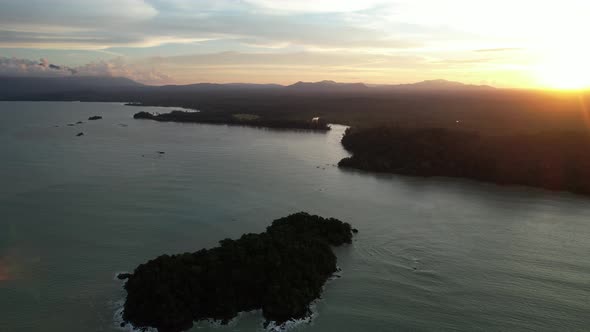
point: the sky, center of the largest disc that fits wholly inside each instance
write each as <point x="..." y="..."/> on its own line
<point x="504" y="43"/>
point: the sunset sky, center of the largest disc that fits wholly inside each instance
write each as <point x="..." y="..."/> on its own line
<point x="505" y="43"/>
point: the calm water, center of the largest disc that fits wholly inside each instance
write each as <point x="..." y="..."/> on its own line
<point x="432" y="254"/>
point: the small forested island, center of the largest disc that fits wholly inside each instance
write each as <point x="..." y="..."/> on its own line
<point x="556" y="160"/>
<point x="316" y="124"/>
<point x="280" y="271"/>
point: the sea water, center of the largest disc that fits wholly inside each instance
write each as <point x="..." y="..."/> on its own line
<point x="432" y="254"/>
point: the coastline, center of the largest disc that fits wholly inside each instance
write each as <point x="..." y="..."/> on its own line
<point x="315" y="124"/>
<point x="553" y="160"/>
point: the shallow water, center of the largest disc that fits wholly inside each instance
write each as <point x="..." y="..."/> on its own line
<point x="432" y="254"/>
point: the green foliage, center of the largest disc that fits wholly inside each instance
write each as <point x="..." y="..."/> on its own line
<point x="553" y="160"/>
<point x="280" y="271"/>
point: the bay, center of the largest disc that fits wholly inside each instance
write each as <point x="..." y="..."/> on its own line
<point x="432" y="254"/>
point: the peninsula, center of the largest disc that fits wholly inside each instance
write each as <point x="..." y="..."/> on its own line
<point x="250" y="120"/>
<point x="555" y="160"/>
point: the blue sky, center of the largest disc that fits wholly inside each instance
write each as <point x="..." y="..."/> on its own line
<point x="506" y="43"/>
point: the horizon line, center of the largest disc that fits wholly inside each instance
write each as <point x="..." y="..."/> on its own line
<point x="367" y="85"/>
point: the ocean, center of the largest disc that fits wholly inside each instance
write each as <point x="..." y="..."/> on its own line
<point x="432" y="254"/>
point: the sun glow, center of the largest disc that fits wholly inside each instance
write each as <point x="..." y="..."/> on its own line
<point x="565" y="62"/>
<point x="566" y="71"/>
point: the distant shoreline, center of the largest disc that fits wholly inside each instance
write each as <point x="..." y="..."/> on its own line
<point x="248" y="120"/>
<point x="180" y="108"/>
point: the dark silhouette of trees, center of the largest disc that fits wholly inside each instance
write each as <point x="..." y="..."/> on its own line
<point x="556" y="160"/>
<point x="229" y="119"/>
<point x="280" y="271"/>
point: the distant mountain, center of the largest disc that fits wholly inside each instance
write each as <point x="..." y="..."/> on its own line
<point x="327" y="86"/>
<point x="430" y="85"/>
<point x="214" y="87"/>
<point x="120" y="88"/>
<point x="40" y="87"/>
<point x="442" y="85"/>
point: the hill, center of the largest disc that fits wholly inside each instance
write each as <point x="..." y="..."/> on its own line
<point x="27" y="88"/>
<point x="434" y="85"/>
<point x="327" y="86"/>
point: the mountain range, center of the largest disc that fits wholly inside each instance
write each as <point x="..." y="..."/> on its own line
<point x="24" y="88"/>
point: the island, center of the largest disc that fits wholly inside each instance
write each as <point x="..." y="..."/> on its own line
<point x="280" y="271"/>
<point x="250" y="120"/>
<point x="555" y="160"/>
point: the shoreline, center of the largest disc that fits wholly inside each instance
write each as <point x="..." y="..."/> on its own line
<point x="314" y="125"/>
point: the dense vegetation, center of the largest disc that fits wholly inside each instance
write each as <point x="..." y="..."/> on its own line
<point x="280" y="271"/>
<point x="552" y="160"/>
<point x="490" y="111"/>
<point x="232" y="119"/>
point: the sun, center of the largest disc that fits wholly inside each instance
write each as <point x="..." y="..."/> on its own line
<point x="565" y="69"/>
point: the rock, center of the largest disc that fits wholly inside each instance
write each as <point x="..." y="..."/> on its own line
<point x="70" y="124"/>
<point x="161" y="152"/>
<point x="95" y="117"/>
<point x="79" y="122"/>
<point x="355" y="231"/>
<point x="124" y="276"/>
<point x="80" y="134"/>
<point x="143" y="115"/>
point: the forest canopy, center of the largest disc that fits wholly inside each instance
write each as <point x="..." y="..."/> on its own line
<point x="557" y="160"/>
<point x="280" y="271"/>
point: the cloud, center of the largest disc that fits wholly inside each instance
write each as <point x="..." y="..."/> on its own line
<point x="89" y="14"/>
<point x="120" y="68"/>
<point x="287" y="68"/>
<point x="350" y="66"/>
<point x="307" y="6"/>
<point x="504" y="49"/>
<point x="377" y="24"/>
<point x="103" y="24"/>
<point x="388" y="40"/>
<point x="117" y="67"/>
<point x="309" y="59"/>
<point x="24" y="67"/>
